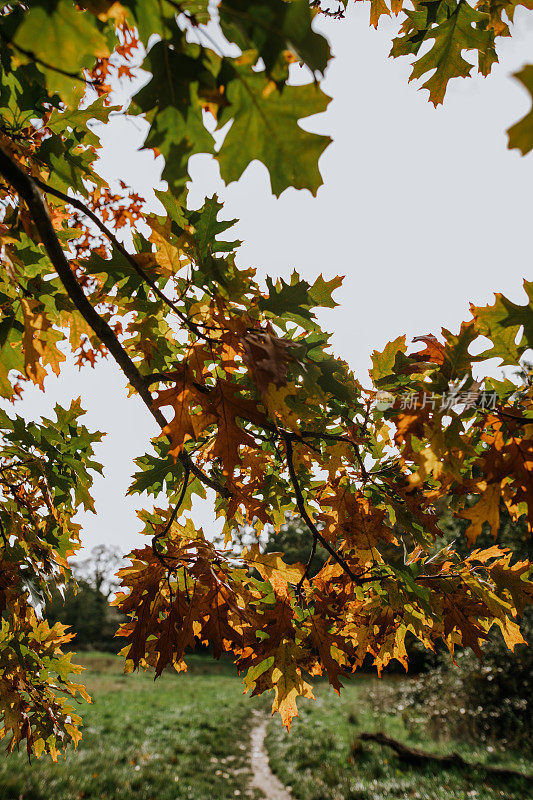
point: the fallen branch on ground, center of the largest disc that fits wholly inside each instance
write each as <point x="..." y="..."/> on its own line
<point x="416" y="757"/>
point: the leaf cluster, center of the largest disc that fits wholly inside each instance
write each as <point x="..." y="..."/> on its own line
<point x="239" y="375"/>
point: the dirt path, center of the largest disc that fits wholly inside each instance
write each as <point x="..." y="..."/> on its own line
<point x="262" y="776"/>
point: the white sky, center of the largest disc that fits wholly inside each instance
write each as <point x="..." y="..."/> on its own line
<point x="422" y="210"/>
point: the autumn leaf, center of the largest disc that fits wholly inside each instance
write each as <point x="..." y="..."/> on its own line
<point x="512" y="579"/>
<point x="521" y="133"/>
<point x="273" y="568"/>
<point x="383" y="363"/>
<point x="288" y="683"/>
<point x="39" y="343"/>
<point x="434" y="351"/>
<point x="485" y="510"/>
<point x="267" y="357"/>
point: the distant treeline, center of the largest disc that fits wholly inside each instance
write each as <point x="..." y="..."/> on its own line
<point x="85" y="605"/>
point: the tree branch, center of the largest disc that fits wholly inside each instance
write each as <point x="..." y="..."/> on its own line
<point x="31" y="55"/>
<point x="27" y="188"/>
<point x="75" y="203"/>
<point x="305" y="516"/>
<point x="160" y="556"/>
<point x="188" y="463"/>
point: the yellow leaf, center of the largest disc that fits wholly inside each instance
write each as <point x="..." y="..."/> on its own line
<point x="39" y="342"/>
<point x="274" y="398"/>
<point x="270" y="565"/>
<point x="288" y="683"/>
<point x="510" y="632"/>
<point x="487" y="509"/>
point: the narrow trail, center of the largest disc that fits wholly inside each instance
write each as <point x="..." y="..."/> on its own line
<point x="262" y="776"/>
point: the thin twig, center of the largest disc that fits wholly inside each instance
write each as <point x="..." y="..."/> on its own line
<point x="308" y="565"/>
<point x="525" y="420"/>
<point x="217" y="487"/>
<point x="333" y="437"/>
<point x="28" y="190"/>
<point x="170" y="522"/>
<point x="30" y="54"/>
<point x="305" y="516"/>
<point x="75" y="203"/>
<point x="188" y="14"/>
<point x="3" y="534"/>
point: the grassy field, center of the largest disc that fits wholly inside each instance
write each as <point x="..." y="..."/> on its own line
<point x="186" y="737"/>
<point x="183" y="737"/>
<point x="324" y="760"/>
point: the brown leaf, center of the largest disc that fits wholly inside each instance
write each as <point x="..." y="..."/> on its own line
<point x="486" y="509"/>
<point x="267" y="358"/>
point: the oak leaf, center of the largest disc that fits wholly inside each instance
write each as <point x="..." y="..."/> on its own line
<point x="288" y="683"/>
<point x="486" y="509"/>
<point x="39" y="342"/>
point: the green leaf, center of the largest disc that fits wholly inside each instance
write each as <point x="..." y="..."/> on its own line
<point x="285" y="297"/>
<point x="336" y="380"/>
<point x="172" y="104"/>
<point x="383" y="363"/>
<point x="407" y="575"/>
<point x="265" y="127"/>
<point x="158" y="17"/>
<point x="457" y="359"/>
<point x="22" y="93"/>
<point x="270" y="28"/>
<point x="175" y="210"/>
<point x="521" y="133"/>
<point x="207" y="227"/>
<point x="78" y="120"/>
<point x="64" y="41"/>
<point x="69" y="162"/>
<point x="454" y="27"/>
<point x="321" y="290"/>
<point x="11" y="355"/>
<point x="501" y="324"/>
<point x="158" y="472"/>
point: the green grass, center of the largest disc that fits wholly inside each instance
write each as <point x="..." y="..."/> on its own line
<point x="322" y="760"/>
<point x="183" y="737"/>
<point x="186" y="737"/>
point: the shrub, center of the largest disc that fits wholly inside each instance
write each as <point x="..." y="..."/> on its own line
<point x="487" y="700"/>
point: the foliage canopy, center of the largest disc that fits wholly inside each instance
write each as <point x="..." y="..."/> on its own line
<point x="239" y="376"/>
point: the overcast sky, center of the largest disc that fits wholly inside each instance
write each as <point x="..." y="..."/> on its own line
<point x="422" y="210"/>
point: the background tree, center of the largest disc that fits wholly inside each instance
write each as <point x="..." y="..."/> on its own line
<point x="84" y="604"/>
<point x="239" y="376"/>
<point x="295" y="541"/>
<point x="293" y="538"/>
